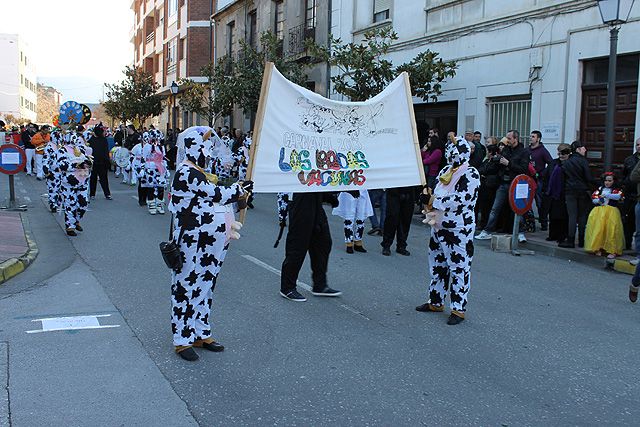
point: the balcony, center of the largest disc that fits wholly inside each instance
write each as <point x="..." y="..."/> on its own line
<point x="171" y="68"/>
<point x="297" y="37"/>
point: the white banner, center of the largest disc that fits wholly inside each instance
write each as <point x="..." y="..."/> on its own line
<point x="307" y="143"/>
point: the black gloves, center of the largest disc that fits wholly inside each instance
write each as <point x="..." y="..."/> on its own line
<point x="247" y="186"/>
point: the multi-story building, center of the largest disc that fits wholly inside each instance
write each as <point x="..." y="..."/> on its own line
<point x="526" y="64"/>
<point x="173" y="40"/>
<point x="292" y="21"/>
<point x="18" y="81"/>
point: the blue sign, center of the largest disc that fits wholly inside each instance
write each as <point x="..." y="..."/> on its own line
<point x="12" y="159"/>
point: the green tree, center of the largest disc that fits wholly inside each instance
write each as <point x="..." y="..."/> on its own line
<point x="134" y="98"/>
<point x="365" y="71"/>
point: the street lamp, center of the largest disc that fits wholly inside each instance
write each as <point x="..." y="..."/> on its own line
<point x="613" y="13"/>
<point x="174" y="91"/>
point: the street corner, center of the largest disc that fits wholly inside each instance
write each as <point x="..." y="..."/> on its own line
<point x="18" y="248"/>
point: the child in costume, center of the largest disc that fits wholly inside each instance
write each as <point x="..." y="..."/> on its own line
<point x="604" y="226"/>
<point x="75" y="167"/>
<point x="453" y="224"/>
<point x="354" y="207"/>
<point x="155" y="172"/>
<point x="202" y="227"/>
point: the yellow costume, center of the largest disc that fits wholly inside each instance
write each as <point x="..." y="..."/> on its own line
<point x="604" y="227"/>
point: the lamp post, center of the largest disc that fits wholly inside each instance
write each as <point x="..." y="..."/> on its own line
<point x="613" y="13"/>
<point x="174" y="90"/>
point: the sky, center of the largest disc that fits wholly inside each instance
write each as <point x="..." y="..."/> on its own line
<point x="76" y="45"/>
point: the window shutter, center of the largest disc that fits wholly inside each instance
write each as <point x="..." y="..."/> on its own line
<point x="381" y="6"/>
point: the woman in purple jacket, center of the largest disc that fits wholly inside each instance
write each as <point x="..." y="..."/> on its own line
<point x="431" y="159"/>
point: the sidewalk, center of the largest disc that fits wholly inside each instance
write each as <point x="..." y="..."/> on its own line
<point x="17" y="248"/>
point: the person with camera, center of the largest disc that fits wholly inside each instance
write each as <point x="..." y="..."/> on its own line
<point x="512" y="161"/>
<point x="489" y="182"/>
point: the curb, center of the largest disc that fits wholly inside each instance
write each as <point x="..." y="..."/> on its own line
<point x="14" y="266"/>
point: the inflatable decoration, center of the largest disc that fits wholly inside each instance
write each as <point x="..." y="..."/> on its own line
<point x="86" y="114"/>
<point x="70" y="112"/>
<point x="56" y="120"/>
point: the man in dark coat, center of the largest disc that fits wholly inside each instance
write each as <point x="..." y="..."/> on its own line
<point x="630" y="195"/>
<point x="100" y="147"/>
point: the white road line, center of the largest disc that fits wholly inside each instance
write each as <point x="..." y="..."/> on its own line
<point x="71" y="323"/>
<point x="266" y="266"/>
<point x="72" y="329"/>
<point x="70" y="317"/>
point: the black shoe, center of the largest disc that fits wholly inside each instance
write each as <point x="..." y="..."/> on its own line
<point x="454" y="320"/>
<point x="372" y="231"/>
<point x="53" y="209"/>
<point x="189" y="354"/>
<point x="549" y="239"/>
<point x="403" y="251"/>
<point x="359" y="249"/>
<point x="326" y="292"/>
<point x="386" y="251"/>
<point x="426" y="307"/>
<point x="79" y="227"/>
<point x="250" y="205"/>
<point x="212" y="346"/>
<point x="71" y="232"/>
<point x="380" y="231"/>
<point x="349" y="249"/>
<point x="108" y="197"/>
<point x="566" y="244"/>
<point x="293" y="296"/>
<point x="142" y="204"/>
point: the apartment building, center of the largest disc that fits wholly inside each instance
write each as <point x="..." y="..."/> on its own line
<point x="525" y="64"/>
<point x="292" y="21"/>
<point x="18" y="79"/>
<point x="172" y="40"/>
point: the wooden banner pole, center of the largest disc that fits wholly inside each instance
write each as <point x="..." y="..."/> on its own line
<point x="262" y="104"/>
<point x="412" y="118"/>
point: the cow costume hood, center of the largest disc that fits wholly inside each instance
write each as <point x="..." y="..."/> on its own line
<point x="459" y="153"/>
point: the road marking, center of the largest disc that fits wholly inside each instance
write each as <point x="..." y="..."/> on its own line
<point x="73" y="323"/>
<point x="266" y="266"/>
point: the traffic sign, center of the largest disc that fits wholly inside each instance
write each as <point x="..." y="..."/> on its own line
<point x="522" y="192"/>
<point x="12" y="159"/>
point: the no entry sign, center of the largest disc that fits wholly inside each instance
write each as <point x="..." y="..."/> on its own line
<point x="521" y="194"/>
<point x="12" y="159"/>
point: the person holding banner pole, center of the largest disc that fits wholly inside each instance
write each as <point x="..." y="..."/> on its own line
<point x="452" y="221"/>
<point x="397" y="222"/>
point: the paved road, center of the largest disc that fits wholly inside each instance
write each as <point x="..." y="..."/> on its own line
<point x="546" y="341"/>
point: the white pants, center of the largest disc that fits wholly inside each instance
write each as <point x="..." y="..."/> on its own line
<point x="39" y="172"/>
<point x="30" y="152"/>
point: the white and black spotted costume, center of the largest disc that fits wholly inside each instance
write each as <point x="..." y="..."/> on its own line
<point x="51" y="170"/>
<point x="354" y="211"/>
<point x="202" y="212"/>
<point x="75" y="168"/>
<point x="283" y="203"/>
<point x="451" y="244"/>
<point x="155" y="172"/>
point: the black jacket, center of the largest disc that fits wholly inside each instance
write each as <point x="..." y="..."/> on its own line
<point x="100" y="148"/>
<point x="25" y="136"/>
<point x="118" y="137"/>
<point x="518" y="157"/>
<point x="577" y="175"/>
<point x="131" y="140"/>
<point x="629" y="188"/>
<point x="489" y="177"/>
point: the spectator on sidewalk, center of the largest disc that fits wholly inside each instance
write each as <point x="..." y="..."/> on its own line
<point x="578" y="184"/>
<point x="397" y="222"/>
<point x="489" y="182"/>
<point x="478" y="152"/>
<point x="432" y="156"/>
<point x="378" y="199"/>
<point x="512" y="161"/>
<point x="29" y="149"/>
<point x="541" y="159"/>
<point x="634" y="177"/>
<point x="553" y="188"/>
<point x="39" y="141"/>
<point x="101" y="162"/>
<point x="604" y="227"/>
<point x="630" y="196"/>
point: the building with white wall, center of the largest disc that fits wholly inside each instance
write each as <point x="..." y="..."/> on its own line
<point x="525" y="64"/>
<point x="18" y="81"/>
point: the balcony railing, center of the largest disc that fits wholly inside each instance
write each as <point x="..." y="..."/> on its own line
<point x="171" y="68"/>
<point x="151" y="36"/>
<point x="297" y="36"/>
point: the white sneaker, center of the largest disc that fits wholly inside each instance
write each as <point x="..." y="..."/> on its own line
<point x="152" y="206"/>
<point x="634" y="261"/>
<point x="484" y="235"/>
<point x="522" y="238"/>
<point x="159" y="207"/>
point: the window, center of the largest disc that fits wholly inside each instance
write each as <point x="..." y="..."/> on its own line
<point x="25" y="60"/>
<point x="253" y="28"/>
<point x="310" y="14"/>
<point x="20" y="56"/>
<point x="230" y="27"/>
<point x="381" y="10"/>
<point x="511" y="113"/>
<point x="21" y="79"/>
<point x="279" y="22"/>
<point x="172" y="55"/>
<point x="172" y="8"/>
<point x="596" y="72"/>
<point x="183" y="47"/>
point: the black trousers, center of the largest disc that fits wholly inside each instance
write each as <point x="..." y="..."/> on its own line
<point x="151" y="193"/>
<point x="308" y="232"/>
<point x="398" y="219"/>
<point x="99" y="171"/>
<point x="629" y="219"/>
<point x="578" y="207"/>
<point x="142" y="195"/>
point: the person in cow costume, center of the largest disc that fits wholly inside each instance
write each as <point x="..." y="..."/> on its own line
<point x="203" y="224"/>
<point x="450" y="213"/>
<point x="154" y="170"/>
<point x="74" y="164"/>
<point x="51" y="170"/>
